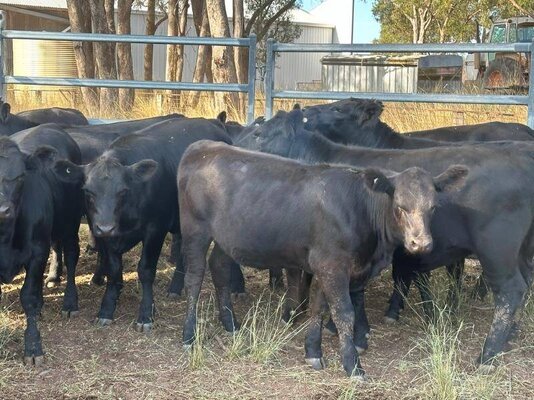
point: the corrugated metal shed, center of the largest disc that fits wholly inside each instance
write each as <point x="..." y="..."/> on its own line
<point x="363" y="73"/>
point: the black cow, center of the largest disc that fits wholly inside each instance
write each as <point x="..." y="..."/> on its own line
<point x="36" y="209"/>
<point x="130" y="194"/>
<point x="338" y="223"/>
<point x="485" y="132"/>
<point x="93" y="140"/>
<point x="354" y="121"/>
<point x="11" y="123"/>
<point x="492" y="217"/>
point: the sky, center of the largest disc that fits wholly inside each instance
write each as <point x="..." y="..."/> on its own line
<point x="366" y="28"/>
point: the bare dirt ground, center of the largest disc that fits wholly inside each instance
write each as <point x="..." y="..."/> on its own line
<point x="86" y="362"/>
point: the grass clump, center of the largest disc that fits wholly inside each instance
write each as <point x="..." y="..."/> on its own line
<point x="263" y="334"/>
<point x="199" y="351"/>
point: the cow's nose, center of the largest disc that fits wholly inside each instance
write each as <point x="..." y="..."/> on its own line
<point x="421" y="246"/>
<point x="104" y="230"/>
<point x="5" y="211"/>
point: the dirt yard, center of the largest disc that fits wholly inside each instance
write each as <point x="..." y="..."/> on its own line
<point x="406" y="360"/>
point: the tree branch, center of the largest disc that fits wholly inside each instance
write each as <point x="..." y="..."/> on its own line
<point x="289" y="5"/>
<point x="255" y="16"/>
<point x="521" y="9"/>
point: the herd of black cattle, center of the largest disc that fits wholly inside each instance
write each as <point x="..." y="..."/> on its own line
<point x="329" y="193"/>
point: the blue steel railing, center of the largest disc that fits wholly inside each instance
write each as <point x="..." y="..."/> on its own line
<point x="249" y="43"/>
<point x="274" y="47"/>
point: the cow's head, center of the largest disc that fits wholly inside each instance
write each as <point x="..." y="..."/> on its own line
<point x="280" y="135"/>
<point x="345" y="121"/>
<point x="113" y="192"/>
<point x="413" y="194"/>
<point x="16" y="168"/>
<point x="10" y="123"/>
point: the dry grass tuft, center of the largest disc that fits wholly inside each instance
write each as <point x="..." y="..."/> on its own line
<point x="263" y="334"/>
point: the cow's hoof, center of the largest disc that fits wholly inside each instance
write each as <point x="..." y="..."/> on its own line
<point x="34" y="361"/>
<point x="52" y="283"/>
<point x="70" y="314"/>
<point x="359" y="378"/>
<point x="360" y="350"/>
<point x="98" y="280"/>
<point x="316" y="363"/>
<point x="146" y="327"/>
<point x="173" y="295"/>
<point x="187" y="347"/>
<point x="389" y="320"/>
<point x="486" y="369"/>
<point x="102" y="322"/>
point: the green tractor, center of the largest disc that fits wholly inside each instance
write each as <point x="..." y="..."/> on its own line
<point x="507" y="70"/>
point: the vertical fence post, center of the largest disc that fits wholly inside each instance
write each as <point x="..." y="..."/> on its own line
<point x="269" y="78"/>
<point x="251" y="78"/>
<point x="530" y="112"/>
<point x="2" y="57"/>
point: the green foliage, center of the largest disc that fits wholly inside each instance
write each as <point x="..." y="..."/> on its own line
<point x="446" y="20"/>
<point x="271" y="19"/>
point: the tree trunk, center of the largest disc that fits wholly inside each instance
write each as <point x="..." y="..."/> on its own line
<point x="203" y="63"/>
<point x="149" y="48"/>
<point x="104" y="56"/>
<point x="172" y="30"/>
<point x="222" y="56"/>
<point x="182" y="27"/>
<point x="240" y="53"/>
<point x="109" y="7"/>
<point x="124" y="53"/>
<point x="80" y="21"/>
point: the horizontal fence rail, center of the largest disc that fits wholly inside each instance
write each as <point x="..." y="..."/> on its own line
<point x="249" y="43"/>
<point x="274" y="47"/>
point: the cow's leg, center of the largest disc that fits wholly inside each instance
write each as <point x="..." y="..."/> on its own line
<point x="195" y="244"/>
<point x="71" y="250"/>
<point x="146" y="270"/>
<point x="422" y="281"/>
<point x="337" y="295"/>
<point x="508" y="297"/>
<point x="55" y="270"/>
<point x="293" y="303"/>
<point x="176" y="248"/>
<point x="237" y="280"/>
<point x="401" y="285"/>
<point x="220" y="266"/>
<point x="177" y="283"/>
<point x="276" y="278"/>
<point x="361" y="323"/>
<point x="114" y="284"/>
<point x="456" y="274"/>
<point x="31" y="297"/>
<point x="100" y="270"/>
<point x="313" y="341"/>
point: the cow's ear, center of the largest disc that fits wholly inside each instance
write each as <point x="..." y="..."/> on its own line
<point x="296" y="118"/>
<point x="144" y="169"/>
<point x="296" y="106"/>
<point x="368" y="110"/>
<point x="222" y="116"/>
<point x="5" y="110"/>
<point x="42" y="156"/>
<point x="452" y="179"/>
<point x="69" y="172"/>
<point x="378" y="182"/>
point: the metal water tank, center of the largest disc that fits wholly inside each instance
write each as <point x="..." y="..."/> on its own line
<point x="44" y="58"/>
